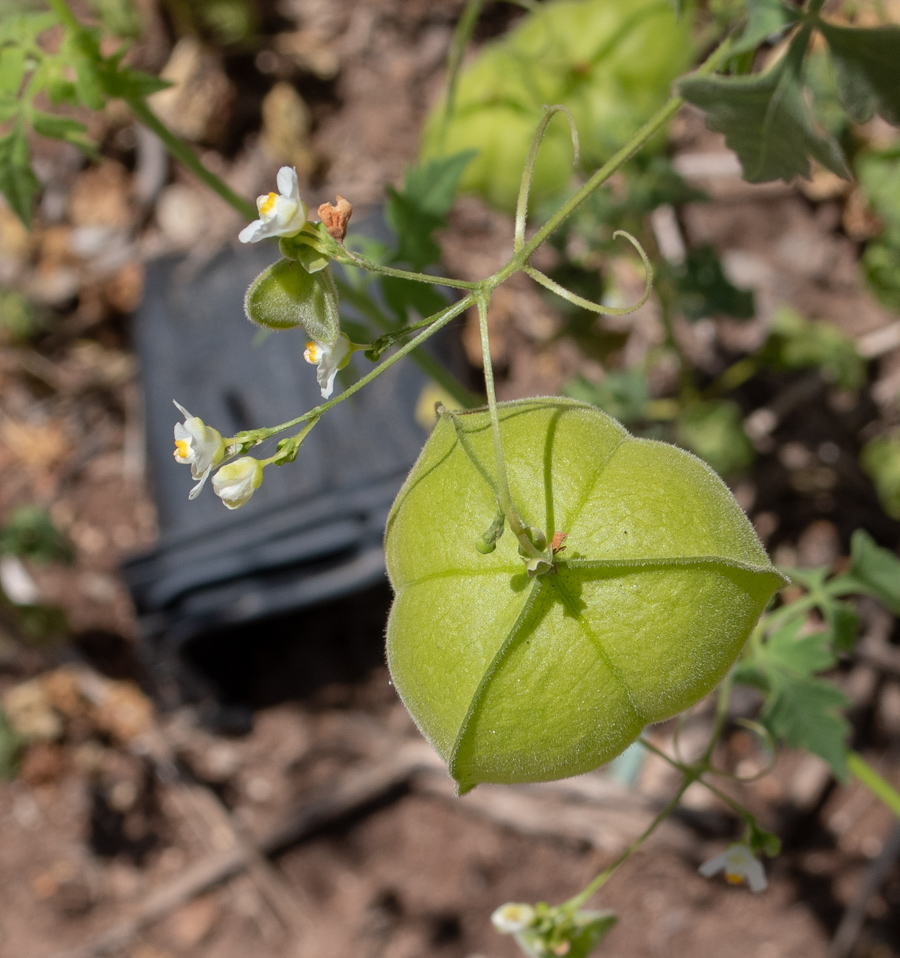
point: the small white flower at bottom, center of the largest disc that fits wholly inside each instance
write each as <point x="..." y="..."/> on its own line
<point x="197" y="445"/>
<point x="328" y="359"/>
<point x="280" y="214"/>
<point x="236" y="481"/>
<point x="739" y="864"/>
<point x="512" y="917"/>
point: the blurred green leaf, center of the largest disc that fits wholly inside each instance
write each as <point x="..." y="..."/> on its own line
<point x="119" y="17"/>
<point x="621" y="394"/>
<point x="714" y="431"/>
<point x="17" y="182"/>
<point x="12" y="69"/>
<point x="876" y="568"/>
<point x="798" y="343"/>
<point x="30" y="534"/>
<point x="431" y="186"/>
<point x="766" y="20"/>
<point x="765" y="121"/>
<point x="422" y="206"/>
<point x="704" y="290"/>
<point x="62" y="128"/>
<point x="800" y="709"/>
<point x="880" y="459"/>
<point x="10" y="747"/>
<point x="843" y="624"/>
<point x="805" y="712"/>
<point x="867" y="62"/>
<point x="403" y="295"/>
<point x="19" y="318"/>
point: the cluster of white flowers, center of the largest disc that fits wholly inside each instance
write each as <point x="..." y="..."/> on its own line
<point x="202" y="448"/>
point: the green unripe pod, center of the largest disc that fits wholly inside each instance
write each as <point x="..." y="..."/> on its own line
<point x="518" y="678"/>
<point x="285" y="296"/>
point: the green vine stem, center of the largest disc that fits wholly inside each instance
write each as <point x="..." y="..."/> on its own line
<point x="574" y="903"/>
<point x="438" y="321"/>
<point x="185" y="155"/>
<point x="878" y="786"/>
<point x="504" y="498"/>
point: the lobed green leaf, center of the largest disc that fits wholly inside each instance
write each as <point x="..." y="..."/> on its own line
<point x="867" y="62"/>
<point x="765" y="121"/>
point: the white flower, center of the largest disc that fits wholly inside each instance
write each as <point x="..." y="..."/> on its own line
<point x="329" y="359"/>
<point x="197" y="445"/>
<point x="280" y="214"/>
<point x="512" y="917"/>
<point x="236" y="481"/>
<point x="739" y="864"/>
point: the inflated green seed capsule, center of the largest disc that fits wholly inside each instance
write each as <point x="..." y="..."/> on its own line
<point x="518" y="678"/>
<point x="285" y="295"/>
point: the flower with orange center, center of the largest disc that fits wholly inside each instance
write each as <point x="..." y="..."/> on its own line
<point x="280" y="214"/>
<point x="739" y="865"/>
<point x="199" y="446"/>
<point x="328" y="359"/>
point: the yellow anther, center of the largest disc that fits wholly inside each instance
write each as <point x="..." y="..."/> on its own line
<point x="265" y="205"/>
<point x="733" y="879"/>
<point x="311" y="355"/>
<point x="181" y="448"/>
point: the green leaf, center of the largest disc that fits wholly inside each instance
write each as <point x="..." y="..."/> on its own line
<point x="403" y="295"/>
<point x="765" y="121"/>
<point x="431" y="186"/>
<point x="518" y="679"/>
<point x="24" y="28"/>
<point x="12" y="69"/>
<point x="128" y="83"/>
<point x="10" y="746"/>
<point x="766" y="20"/>
<point x="867" y="62"/>
<point x="413" y="228"/>
<point x="787" y="650"/>
<point x="30" y="533"/>
<point x="622" y="394"/>
<point x="876" y="568"/>
<point x="798" y="343"/>
<point x="704" y="290"/>
<point x="62" y="128"/>
<point x="805" y="712"/>
<point x="17" y="182"/>
<point x="880" y="459"/>
<point x="843" y="623"/>
<point x="422" y="206"/>
<point x="714" y="431"/>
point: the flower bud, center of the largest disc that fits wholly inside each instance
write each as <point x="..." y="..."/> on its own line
<point x="236" y="481"/>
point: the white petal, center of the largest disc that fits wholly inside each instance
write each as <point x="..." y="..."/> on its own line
<point x="256" y="231"/>
<point x="713" y="866"/>
<point x="287" y="183"/>
<point x="199" y="487"/>
<point x="17" y="583"/>
<point x="325" y="377"/>
<point x="756" y="876"/>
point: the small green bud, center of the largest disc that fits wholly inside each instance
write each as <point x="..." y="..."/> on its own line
<point x="285" y="296"/>
<point x="488" y="542"/>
